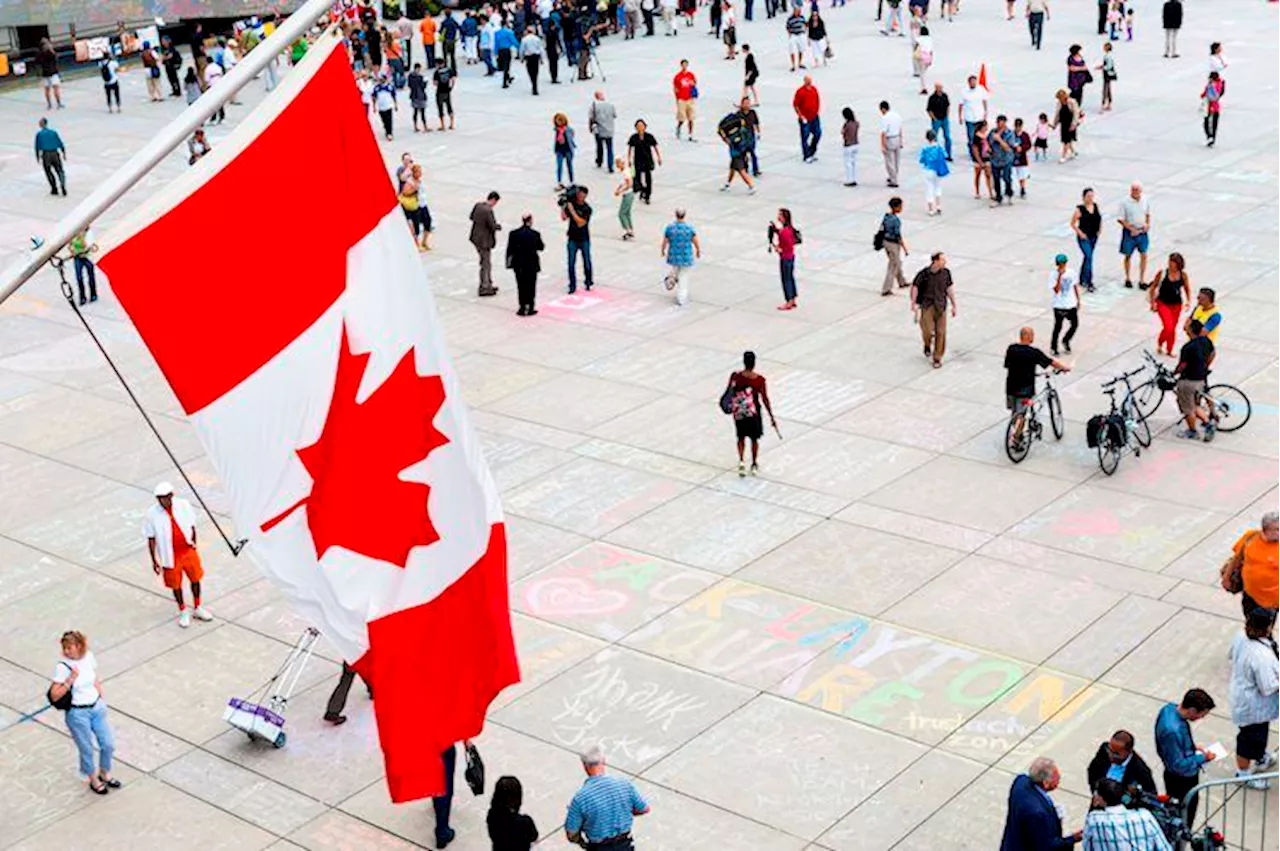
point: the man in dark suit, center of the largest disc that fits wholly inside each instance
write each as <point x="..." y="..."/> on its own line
<point x="523" y="245"/>
<point x="1033" y="823"/>
<point x="1116" y="759"/>
<point x="484" y="236"/>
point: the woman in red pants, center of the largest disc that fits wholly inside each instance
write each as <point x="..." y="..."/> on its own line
<point x="1170" y="290"/>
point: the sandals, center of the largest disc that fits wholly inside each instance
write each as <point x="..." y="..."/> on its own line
<point x="100" y="789"/>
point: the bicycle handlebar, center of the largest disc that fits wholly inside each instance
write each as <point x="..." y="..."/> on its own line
<point x="1122" y="377"/>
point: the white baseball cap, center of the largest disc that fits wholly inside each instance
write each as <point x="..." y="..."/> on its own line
<point x="164" y="489"/>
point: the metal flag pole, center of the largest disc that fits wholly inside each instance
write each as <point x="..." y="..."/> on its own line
<point x="164" y="142"/>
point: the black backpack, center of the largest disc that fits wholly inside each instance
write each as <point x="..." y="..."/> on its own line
<point x="734" y="129"/>
<point x="104" y="68"/>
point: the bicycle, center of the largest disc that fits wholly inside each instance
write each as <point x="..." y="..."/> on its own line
<point x="1229" y="407"/>
<point x="1024" y="422"/>
<point x="1120" y="424"/>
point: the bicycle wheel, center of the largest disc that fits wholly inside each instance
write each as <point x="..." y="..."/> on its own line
<point x="1108" y="454"/>
<point x="1055" y="413"/>
<point x="1148" y="396"/>
<point x="1017" y="447"/>
<point x="1231" y="407"/>
<point x="1142" y="431"/>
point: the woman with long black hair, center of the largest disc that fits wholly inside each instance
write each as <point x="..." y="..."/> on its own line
<point x="509" y="829"/>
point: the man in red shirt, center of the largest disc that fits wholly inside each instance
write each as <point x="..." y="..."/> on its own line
<point x="685" y="85"/>
<point x="806" y="105"/>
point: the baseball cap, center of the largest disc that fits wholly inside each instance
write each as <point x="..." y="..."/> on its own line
<point x="164" y="489"/>
<point x="1060" y="259"/>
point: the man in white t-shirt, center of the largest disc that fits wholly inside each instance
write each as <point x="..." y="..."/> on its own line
<point x="1135" y="224"/>
<point x="973" y="108"/>
<point x="170" y="529"/>
<point x="890" y="141"/>
<point x="110" y="70"/>
<point x="1065" y="295"/>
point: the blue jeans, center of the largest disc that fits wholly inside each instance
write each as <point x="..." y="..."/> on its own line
<point x="486" y="56"/>
<point x="810" y="135"/>
<point x="1002" y="175"/>
<point x="397" y="72"/>
<point x="89" y="724"/>
<point x="1086" y="265"/>
<point x="788" y="270"/>
<point x="750" y="9"/>
<point x="443" y="805"/>
<point x="943" y="124"/>
<point x="563" y="158"/>
<point x="755" y="160"/>
<point x="84" y="269"/>
<point x="970" y="127"/>
<point x="573" y="246"/>
<point x="604" y="145"/>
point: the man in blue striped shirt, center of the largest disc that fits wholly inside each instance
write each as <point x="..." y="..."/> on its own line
<point x="601" y="812"/>
<point x="1117" y="828"/>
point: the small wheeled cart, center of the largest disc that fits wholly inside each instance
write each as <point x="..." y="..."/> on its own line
<point x="264" y="721"/>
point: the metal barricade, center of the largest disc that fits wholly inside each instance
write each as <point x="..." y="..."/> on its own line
<point x="1230" y="815"/>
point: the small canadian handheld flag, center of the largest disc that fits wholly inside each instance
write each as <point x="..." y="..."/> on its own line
<point x="302" y="341"/>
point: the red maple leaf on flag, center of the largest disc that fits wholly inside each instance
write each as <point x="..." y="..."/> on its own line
<point x="358" y="499"/>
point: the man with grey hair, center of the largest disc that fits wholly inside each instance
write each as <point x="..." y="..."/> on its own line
<point x="600" y="121"/>
<point x="1135" y="224"/>
<point x="1254" y="559"/>
<point x="680" y="247"/>
<point x="602" y="811"/>
<point x="1034" y="822"/>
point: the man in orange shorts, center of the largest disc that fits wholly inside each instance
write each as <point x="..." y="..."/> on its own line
<point x="170" y="527"/>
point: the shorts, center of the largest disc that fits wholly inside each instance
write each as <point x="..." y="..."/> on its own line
<point x="51" y="81"/>
<point x="1021" y="172"/>
<point x="749" y="427"/>
<point x="189" y="564"/>
<point x="684" y="110"/>
<point x="738" y="161"/>
<point x="797" y="43"/>
<point x="1128" y="242"/>
<point x="444" y="103"/>
<point x="1251" y="741"/>
<point x="1017" y="404"/>
<point x="1188" y="392"/>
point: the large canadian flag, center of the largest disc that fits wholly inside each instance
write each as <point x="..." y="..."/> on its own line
<point x="279" y="290"/>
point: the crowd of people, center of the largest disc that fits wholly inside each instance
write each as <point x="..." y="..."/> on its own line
<point x="1002" y="152"/>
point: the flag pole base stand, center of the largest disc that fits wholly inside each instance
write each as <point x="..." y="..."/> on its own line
<point x="263" y="720"/>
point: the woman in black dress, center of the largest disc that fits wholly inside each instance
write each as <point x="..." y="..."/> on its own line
<point x="509" y="829"/>
<point x="1066" y="117"/>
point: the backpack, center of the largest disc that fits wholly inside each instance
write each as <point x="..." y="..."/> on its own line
<point x="795" y="230"/>
<point x="1231" y="574"/>
<point x="744" y="404"/>
<point x="877" y="241"/>
<point x="104" y="68"/>
<point x="734" y="128"/>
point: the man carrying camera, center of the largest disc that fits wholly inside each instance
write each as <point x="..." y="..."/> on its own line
<point x="577" y="212"/>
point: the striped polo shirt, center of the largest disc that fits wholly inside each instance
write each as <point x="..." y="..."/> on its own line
<point x="603" y="807"/>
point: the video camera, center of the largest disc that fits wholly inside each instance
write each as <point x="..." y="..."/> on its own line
<point x="1168" y="814"/>
<point x="568" y="195"/>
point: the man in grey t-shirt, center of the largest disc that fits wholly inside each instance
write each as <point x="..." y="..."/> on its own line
<point x="600" y="121"/>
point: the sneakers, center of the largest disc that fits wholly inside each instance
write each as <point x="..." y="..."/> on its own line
<point x="202" y="614"/>
<point x="1260" y="783"/>
<point x="742" y="470"/>
<point x="1210" y="431"/>
<point x="1189" y="434"/>
<point x="1267" y="762"/>
<point x="184" y="618"/>
<point x="755" y="469"/>
<point x="724" y="188"/>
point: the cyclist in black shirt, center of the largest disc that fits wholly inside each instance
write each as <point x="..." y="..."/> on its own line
<point x="1021" y="360"/>
<point x="1194" y="360"/>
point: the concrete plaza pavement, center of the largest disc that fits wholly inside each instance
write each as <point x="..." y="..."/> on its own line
<point x="856" y="650"/>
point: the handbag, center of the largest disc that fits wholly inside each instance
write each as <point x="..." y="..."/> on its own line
<point x="63" y="703"/>
<point x="1232" y="573"/>
<point x="726" y="399"/>
<point x="693" y="92"/>
<point x="829" y="53"/>
<point x="474" y="773"/>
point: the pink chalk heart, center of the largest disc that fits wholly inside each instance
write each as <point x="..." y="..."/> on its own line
<point x="572" y="596"/>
